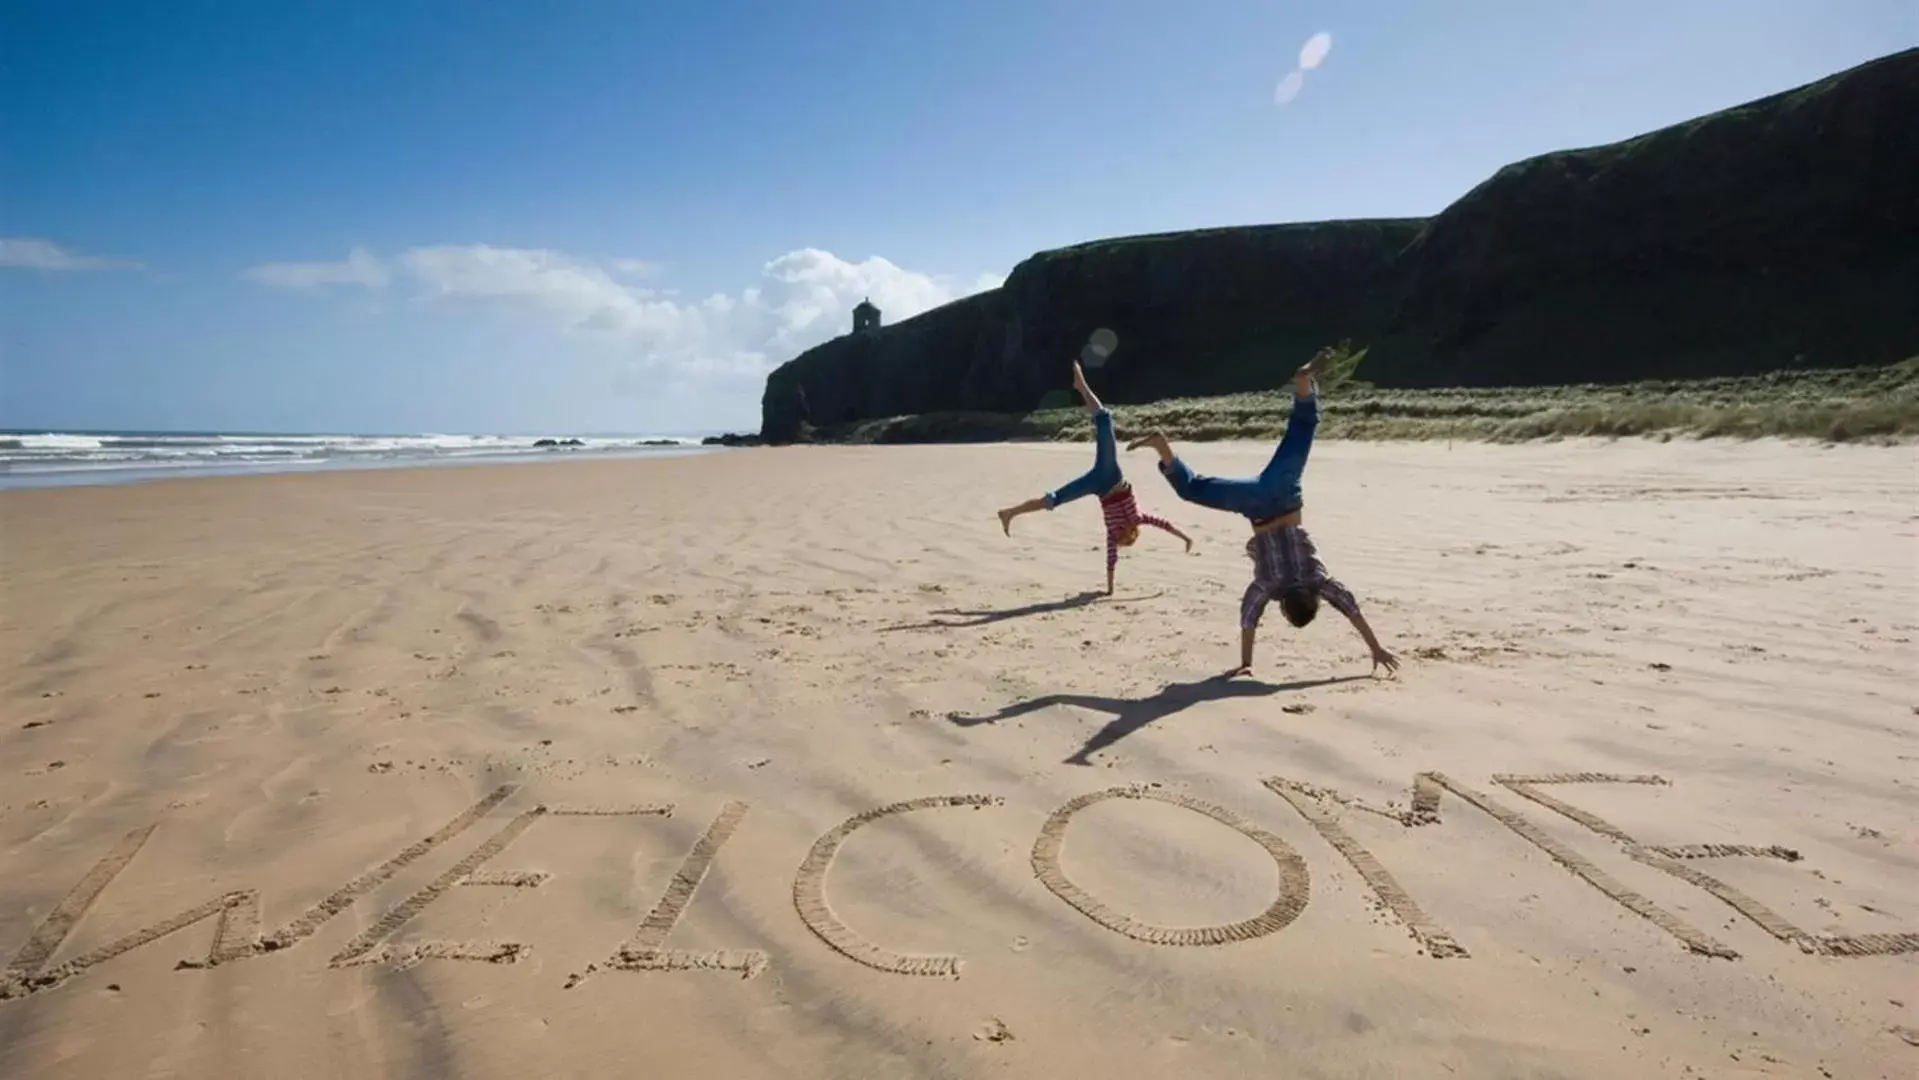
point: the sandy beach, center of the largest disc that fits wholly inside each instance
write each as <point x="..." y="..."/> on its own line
<point x="785" y="763"/>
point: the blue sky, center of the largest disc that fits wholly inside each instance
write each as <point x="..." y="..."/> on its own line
<point x="597" y="216"/>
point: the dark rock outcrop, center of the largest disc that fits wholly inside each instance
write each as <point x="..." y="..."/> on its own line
<point x="911" y="366"/>
<point x="1209" y="312"/>
<point x="1782" y="233"/>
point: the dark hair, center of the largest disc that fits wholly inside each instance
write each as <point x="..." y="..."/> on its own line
<point x="1300" y="605"/>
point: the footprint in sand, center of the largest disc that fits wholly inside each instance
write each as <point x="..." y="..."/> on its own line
<point x="993" y="1030"/>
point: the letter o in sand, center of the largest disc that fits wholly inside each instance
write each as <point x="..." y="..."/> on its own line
<point x="1294" y="884"/>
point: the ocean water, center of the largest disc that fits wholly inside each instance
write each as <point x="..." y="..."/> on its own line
<point x="62" y="459"/>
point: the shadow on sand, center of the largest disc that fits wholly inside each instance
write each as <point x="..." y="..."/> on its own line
<point x="957" y="618"/>
<point x="1131" y="714"/>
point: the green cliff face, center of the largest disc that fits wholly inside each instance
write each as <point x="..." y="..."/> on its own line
<point x="1218" y="311"/>
<point x="1779" y="234"/>
<point x="918" y="365"/>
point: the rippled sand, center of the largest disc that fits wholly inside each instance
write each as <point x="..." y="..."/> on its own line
<point x="780" y="763"/>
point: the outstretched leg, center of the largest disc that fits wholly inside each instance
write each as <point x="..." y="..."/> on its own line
<point x="1104" y="476"/>
<point x="1275" y="490"/>
<point x="1007" y="515"/>
<point x="1234" y="496"/>
<point x="1280" y="478"/>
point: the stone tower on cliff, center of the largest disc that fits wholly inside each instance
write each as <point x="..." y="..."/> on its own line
<point x="866" y="317"/>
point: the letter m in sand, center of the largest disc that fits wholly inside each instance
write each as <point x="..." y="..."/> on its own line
<point x="1315" y="805"/>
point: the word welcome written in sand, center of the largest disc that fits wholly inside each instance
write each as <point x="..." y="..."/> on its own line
<point x="237" y="936"/>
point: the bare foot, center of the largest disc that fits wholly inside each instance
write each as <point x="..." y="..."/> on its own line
<point x="1189" y="545"/>
<point x="1233" y="673"/>
<point x="1006" y="522"/>
<point x="1155" y="440"/>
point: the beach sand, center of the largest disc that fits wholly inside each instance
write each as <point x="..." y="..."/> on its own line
<point x="540" y="771"/>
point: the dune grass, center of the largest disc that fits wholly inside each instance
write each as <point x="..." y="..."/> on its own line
<point x="1877" y="404"/>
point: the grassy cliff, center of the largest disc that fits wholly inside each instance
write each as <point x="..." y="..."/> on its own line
<point x="1778" y="236"/>
<point x="1198" y="313"/>
<point x="1867" y="404"/>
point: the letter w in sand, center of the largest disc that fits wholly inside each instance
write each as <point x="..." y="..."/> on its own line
<point x="237" y="934"/>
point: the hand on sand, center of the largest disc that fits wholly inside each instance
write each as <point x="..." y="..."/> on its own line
<point x="1383" y="658"/>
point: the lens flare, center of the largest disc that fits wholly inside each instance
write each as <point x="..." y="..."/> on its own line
<point x="1313" y="53"/>
<point x="1098" y="348"/>
<point x="1289" y="87"/>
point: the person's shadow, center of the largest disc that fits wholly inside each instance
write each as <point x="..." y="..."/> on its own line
<point x="960" y="619"/>
<point x="1131" y="714"/>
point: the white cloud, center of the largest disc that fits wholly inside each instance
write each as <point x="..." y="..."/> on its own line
<point x="801" y="299"/>
<point x="32" y="253"/>
<point x="807" y="296"/>
<point x="577" y="293"/>
<point x="681" y="362"/>
<point x="1313" y="53"/>
<point x="360" y="267"/>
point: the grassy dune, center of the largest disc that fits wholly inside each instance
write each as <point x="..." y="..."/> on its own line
<point x="1879" y="404"/>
